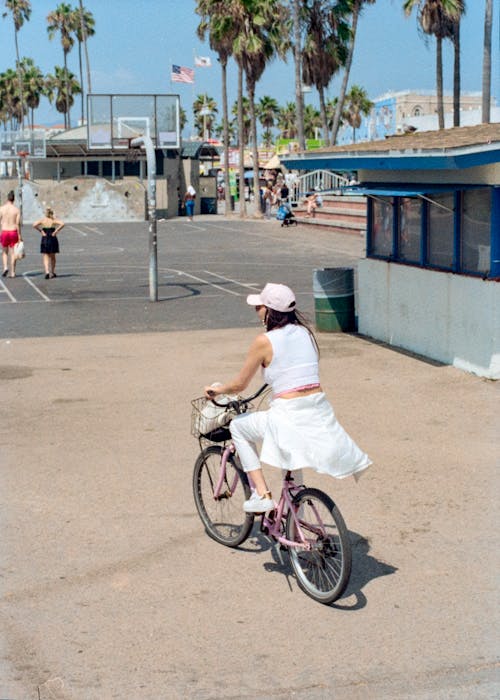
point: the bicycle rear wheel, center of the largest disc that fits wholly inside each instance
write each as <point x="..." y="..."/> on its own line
<point x="323" y="571"/>
<point x="223" y="517"/>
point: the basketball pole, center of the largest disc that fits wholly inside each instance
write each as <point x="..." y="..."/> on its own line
<point x="153" y="242"/>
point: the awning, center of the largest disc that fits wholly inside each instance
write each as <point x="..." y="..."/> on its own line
<point x="273" y="163"/>
<point x="385" y="189"/>
<point x="397" y="190"/>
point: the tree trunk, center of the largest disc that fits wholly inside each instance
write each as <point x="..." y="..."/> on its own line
<point x="225" y="137"/>
<point x="241" y="144"/>
<point x="20" y="81"/>
<point x="67" y="121"/>
<point x="84" y="38"/>
<point x="297" y="57"/>
<point x="486" y="87"/>
<point x="345" y="79"/>
<point x="439" y="81"/>
<point x="255" y="147"/>
<point x="324" y="120"/>
<point x="81" y="80"/>
<point x="456" y="74"/>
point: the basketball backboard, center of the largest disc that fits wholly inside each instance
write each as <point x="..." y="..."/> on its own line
<point x="115" y="119"/>
<point x="29" y="141"/>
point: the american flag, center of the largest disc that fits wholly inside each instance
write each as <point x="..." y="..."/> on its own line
<point x="180" y="74"/>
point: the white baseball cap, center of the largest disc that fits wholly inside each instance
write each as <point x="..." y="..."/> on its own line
<point x="275" y="296"/>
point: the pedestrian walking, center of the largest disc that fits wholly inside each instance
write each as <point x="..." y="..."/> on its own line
<point x="10" y="224"/>
<point x="189" y="200"/>
<point x="49" y="227"/>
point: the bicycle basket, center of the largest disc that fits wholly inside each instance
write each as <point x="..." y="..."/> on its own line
<point x="210" y="421"/>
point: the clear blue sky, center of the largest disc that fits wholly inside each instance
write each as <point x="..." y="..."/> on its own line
<point x="136" y="43"/>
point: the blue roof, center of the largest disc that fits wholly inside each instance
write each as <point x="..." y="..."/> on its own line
<point x="448" y="149"/>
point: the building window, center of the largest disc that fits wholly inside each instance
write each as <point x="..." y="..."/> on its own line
<point x="476" y="213"/>
<point x="410" y="227"/>
<point x="382" y="227"/>
<point x="440" y="233"/>
<point x="451" y="230"/>
<point x="417" y="111"/>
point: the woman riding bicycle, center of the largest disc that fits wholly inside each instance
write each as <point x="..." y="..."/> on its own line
<point x="299" y="429"/>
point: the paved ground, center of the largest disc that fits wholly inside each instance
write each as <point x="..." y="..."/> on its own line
<point x="111" y="589"/>
<point x="204" y="267"/>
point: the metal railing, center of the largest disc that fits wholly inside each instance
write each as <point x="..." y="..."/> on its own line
<point x="319" y="181"/>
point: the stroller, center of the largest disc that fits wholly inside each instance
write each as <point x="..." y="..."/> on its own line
<point x="285" y="215"/>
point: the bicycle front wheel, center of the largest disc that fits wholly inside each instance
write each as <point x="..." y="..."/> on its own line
<point x="323" y="567"/>
<point x="223" y="515"/>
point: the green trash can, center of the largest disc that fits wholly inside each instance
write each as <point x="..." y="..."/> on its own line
<point x="333" y="290"/>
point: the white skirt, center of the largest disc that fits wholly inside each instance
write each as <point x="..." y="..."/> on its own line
<point x="303" y="432"/>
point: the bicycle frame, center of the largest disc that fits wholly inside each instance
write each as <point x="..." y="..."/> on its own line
<point x="230" y="449"/>
<point x="272" y="522"/>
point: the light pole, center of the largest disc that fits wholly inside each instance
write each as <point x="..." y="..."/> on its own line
<point x="153" y="243"/>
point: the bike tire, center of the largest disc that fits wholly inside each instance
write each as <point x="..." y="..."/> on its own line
<point x="323" y="572"/>
<point x="224" y="518"/>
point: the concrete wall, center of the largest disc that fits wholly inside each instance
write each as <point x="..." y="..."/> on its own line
<point x="81" y="199"/>
<point x="450" y="318"/>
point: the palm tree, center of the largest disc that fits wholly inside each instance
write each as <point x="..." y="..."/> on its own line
<point x="62" y="20"/>
<point x="452" y="32"/>
<point x="357" y="6"/>
<point x="267" y="111"/>
<point x="436" y="18"/>
<point x="486" y="87"/>
<point x="204" y="109"/>
<point x="288" y="122"/>
<point x="262" y="34"/>
<point x="218" y="20"/>
<point x="312" y="122"/>
<point x="84" y="27"/>
<point x="297" y="17"/>
<point x="357" y="105"/>
<point x="182" y="119"/>
<point x="10" y="97"/>
<point x="61" y="89"/>
<point x="331" y="111"/>
<point x="231" y="127"/>
<point x="21" y="11"/>
<point x="244" y="134"/>
<point x="325" y="47"/>
<point x="33" y="86"/>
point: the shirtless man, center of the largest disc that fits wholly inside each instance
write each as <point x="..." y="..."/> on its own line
<point x="10" y="224"/>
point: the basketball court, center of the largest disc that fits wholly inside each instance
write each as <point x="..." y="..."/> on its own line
<point x="206" y="268"/>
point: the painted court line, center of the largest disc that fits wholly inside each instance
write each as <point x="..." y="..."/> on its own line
<point x="78" y="230"/>
<point x="200" y="279"/>
<point x="8" y="292"/>
<point x="44" y="296"/>
<point x="229" y="279"/>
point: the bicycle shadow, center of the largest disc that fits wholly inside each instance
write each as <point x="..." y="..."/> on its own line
<point x="365" y="567"/>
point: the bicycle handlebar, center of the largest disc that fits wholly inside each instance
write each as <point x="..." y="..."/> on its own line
<point x="236" y="404"/>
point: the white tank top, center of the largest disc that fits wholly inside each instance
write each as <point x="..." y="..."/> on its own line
<point x="294" y="364"/>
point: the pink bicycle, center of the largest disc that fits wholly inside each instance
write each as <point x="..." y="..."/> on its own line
<point x="305" y="521"/>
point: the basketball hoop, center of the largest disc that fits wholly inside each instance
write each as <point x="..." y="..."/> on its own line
<point x="133" y="152"/>
<point x="23" y="154"/>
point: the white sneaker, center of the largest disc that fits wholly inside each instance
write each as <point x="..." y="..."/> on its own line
<point x="258" y="504"/>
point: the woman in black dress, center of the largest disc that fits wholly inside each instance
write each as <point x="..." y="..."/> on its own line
<point x="49" y="227"/>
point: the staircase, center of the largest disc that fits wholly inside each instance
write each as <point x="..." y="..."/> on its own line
<point x="342" y="213"/>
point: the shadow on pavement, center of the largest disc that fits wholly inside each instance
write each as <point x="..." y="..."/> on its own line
<point x="365" y="568"/>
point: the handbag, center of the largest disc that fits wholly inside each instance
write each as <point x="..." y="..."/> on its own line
<point x="19" y="252"/>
